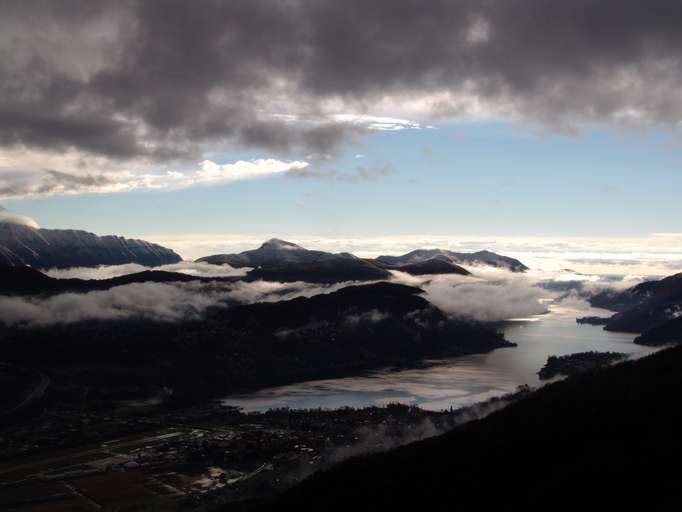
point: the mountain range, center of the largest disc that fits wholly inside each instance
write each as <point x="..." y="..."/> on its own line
<point x="484" y="258"/>
<point x="23" y="244"/>
<point x="279" y="260"/>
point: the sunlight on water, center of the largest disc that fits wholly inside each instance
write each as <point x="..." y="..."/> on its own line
<point x="455" y="382"/>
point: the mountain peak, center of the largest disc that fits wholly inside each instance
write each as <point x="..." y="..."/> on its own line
<point x="272" y="252"/>
<point x="26" y="244"/>
<point x="277" y="242"/>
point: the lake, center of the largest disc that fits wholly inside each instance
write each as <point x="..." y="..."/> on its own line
<point x="459" y="381"/>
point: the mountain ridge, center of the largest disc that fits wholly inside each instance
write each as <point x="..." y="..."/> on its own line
<point x="277" y="253"/>
<point x="25" y="280"/>
<point x="63" y="248"/>
<point x="652" y="309"/>
<point x="459" y="258"/>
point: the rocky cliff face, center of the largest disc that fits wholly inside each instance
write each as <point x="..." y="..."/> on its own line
<point x="63" y="248"/>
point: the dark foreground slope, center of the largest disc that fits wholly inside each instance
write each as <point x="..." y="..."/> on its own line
<point x="606" y="440"/>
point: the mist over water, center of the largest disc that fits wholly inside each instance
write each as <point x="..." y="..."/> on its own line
<point x="460" y="381"/>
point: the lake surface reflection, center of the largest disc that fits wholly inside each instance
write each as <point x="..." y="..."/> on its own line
<point x="455" y="382"/>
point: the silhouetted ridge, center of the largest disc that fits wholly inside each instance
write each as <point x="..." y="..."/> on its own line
<point x="663" y="334"/>
<point x="29" y="281"/>
<point x="273" y="252"/>
<point x="63" y="248"/>
<point x="332" y="269"/>
<point x="485" y="258"/>
<point x="278" y="260"/>
<point x="425" y="267"/>
<point x="645" y="307"/>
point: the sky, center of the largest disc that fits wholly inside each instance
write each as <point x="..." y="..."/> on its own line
<point x="208" y="125"/>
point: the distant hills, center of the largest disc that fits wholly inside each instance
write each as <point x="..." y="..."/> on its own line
<point x="656" y="303"/>
<point x="333" y="269"/>
<point x="652" y="308"/>
<point x="485" y="258"/>
<point x="425" y="267"/>
<point x="23" y="280"/>
<point x="23" y="244"/>
<point x="274" y="252"/>
<point x="279" y="260"/>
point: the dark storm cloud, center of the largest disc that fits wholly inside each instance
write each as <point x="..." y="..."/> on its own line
<point x="164" y="79"/>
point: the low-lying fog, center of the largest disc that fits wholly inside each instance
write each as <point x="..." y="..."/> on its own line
<point x="490" y="294"/>
<point x="539" y="309"/>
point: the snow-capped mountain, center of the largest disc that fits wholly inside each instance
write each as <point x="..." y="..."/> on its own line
<point x="272" y="252"/>
<point x="284" y="261"/>
<point x="278" y="260"/>
<point x="21" y="243"/>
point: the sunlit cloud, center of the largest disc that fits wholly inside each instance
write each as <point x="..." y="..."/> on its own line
<point x="13" y="218"/>
<point x="49" y="182"/>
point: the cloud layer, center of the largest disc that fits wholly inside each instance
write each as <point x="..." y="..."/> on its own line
<point x="153" y="301"/>
<point x="192" y="268"/>
<point x="489" y="295"/>
<point x="47" y="182"/>
<point x="9" y="217"/>
<point x="132" y="84"/>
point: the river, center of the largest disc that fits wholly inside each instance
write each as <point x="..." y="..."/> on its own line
<point x="459" y="381"/>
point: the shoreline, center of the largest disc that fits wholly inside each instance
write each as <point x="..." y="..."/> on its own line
<point x="209" y="454"/>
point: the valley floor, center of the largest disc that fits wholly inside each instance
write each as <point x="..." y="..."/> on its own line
<point x="194" y="457"/>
